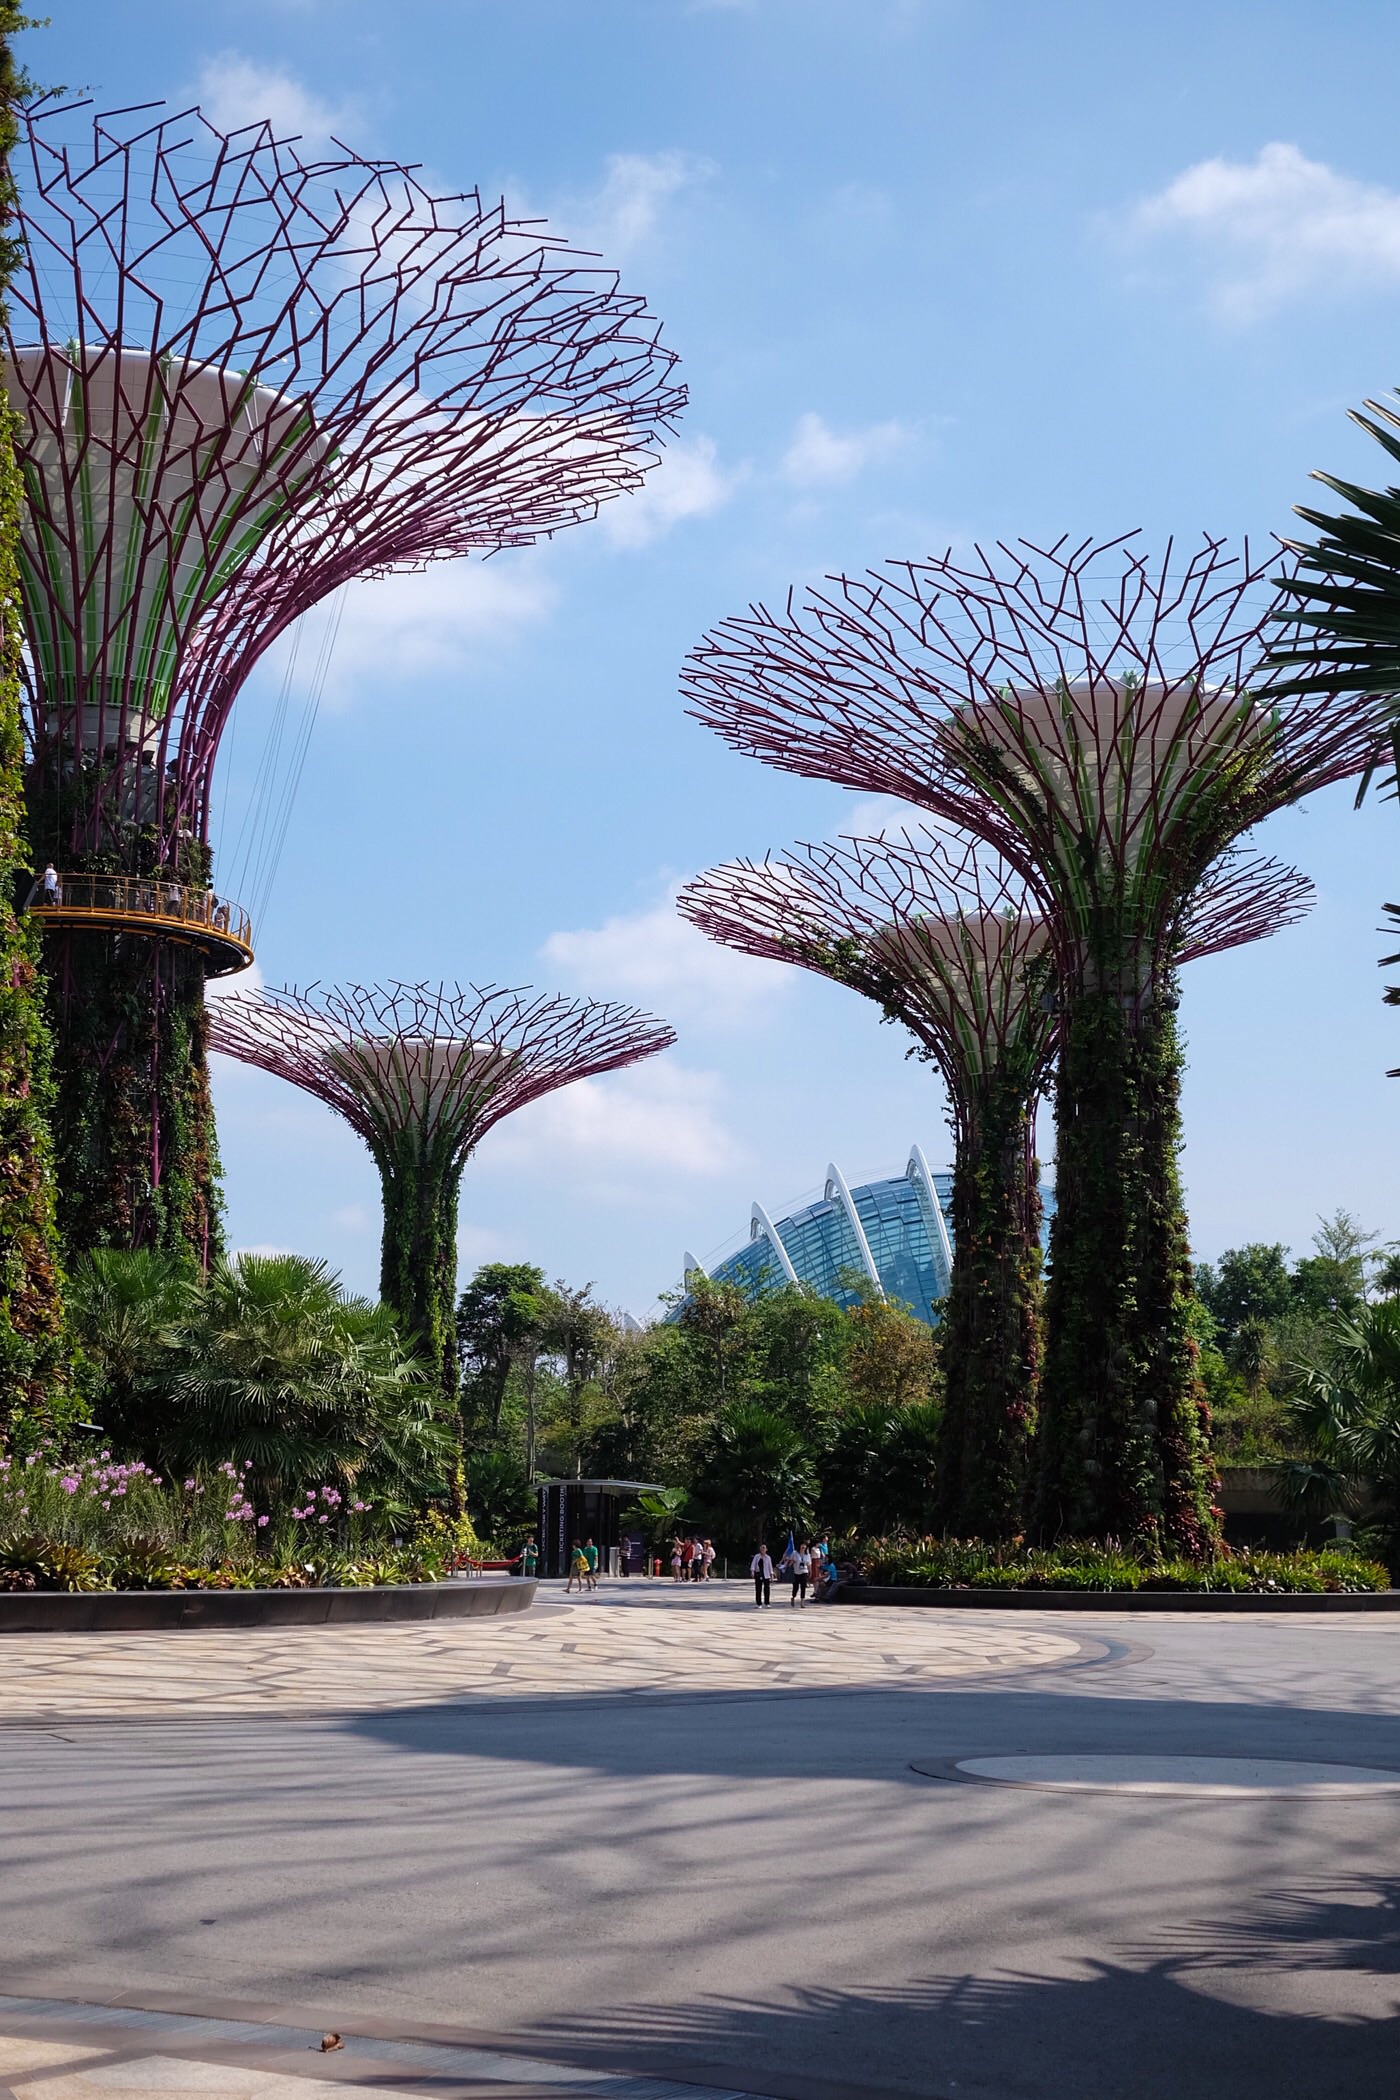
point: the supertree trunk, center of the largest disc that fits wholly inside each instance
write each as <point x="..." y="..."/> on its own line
<point x="418" y="1265"/>
<point x="133" y="1116"/>
<point x="1121" y="1451"/>
<point x="991" y="1321"/>
<point x="31" y="1316"/>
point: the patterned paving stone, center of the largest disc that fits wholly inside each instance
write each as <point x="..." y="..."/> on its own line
<point x="597" y="1645"/>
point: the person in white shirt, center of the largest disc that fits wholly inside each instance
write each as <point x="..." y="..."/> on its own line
<point x="709" y="1558"/>
<point x="761" y="1569"/>
<point x="799" y="1562"/>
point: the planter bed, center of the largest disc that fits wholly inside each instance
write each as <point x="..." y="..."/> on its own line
<point x="130" y="1611"/>
<point x="1117" y="1600"/>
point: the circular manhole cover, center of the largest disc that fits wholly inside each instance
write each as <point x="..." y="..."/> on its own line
<point x="1199" y="1778"/>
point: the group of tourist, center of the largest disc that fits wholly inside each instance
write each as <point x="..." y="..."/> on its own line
<point x="583" y="1566"/>
<point x="692" y="1559"/>
<point x="805" y="1566"/>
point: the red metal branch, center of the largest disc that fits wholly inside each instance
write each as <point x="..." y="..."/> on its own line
<point x="435" y="1065"/>
<point x="242" y="378"/>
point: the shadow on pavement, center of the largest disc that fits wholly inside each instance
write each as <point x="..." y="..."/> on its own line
<point x="820" y="1734"/>
<point x="1164" y="2030"/>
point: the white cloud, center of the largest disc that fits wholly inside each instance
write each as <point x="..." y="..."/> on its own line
<point x="819" y="456"/>
<point x="478" y="1243"/>
<point x="249" y="980"/>
<point x="660" y="1117"/>
<point x="415" y="625"/>
<point x="874" y="816"/>
<point x="688" y="483"/>
<point x="1277" y="227"/>
<point x="625" y="210"/>
<point x="233" y="91"/>
<point x="660" y="959"/>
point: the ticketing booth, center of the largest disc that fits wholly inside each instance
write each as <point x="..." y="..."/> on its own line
<point x="583" y="1510"/>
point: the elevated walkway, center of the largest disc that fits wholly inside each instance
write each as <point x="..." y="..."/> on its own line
<point x="152" y="906"/>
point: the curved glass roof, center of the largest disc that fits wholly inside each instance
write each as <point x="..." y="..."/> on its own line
<point x="833" y="1244"/>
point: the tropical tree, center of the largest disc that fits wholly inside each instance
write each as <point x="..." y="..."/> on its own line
<point x="755" y="1474"/>
<point x="1348" y="1410"/>
<point x="500" y="1315"/>
<point x="893" y="1358"/>
<point x="268" y="1364"/>
<point x="880" y="1472"/>
<point x="500" y="1498"/>
<point x="657" y="1514"/>
<point x="128" y="1309"/>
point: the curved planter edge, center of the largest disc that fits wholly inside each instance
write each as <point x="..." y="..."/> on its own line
<point x="1115" y="1600"/>
<point x="132" y="1611"/>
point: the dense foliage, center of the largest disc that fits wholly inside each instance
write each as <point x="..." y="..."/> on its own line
<point x="761" y="1415"/>
<point x="267" y="1364"/>
<point x="31" y="1321"/>
<point x="992" y="1348"/>
<point x="1122" y="1450"/>
<point x="99" y="1522"/>
<point x="962" y="1564"/>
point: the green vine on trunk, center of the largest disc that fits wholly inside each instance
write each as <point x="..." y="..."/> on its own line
<point x="1123" y="1445"/>
<point x="991" y="1323"/>
<point x="418" y="1267"/>
<point x="33" y="1381"/>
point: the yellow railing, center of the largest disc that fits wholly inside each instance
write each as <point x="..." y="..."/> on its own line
<point x="150" y="904"/>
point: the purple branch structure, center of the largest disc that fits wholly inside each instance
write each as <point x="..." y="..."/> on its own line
<point x="1104" y="722"/>
<point x="948" y="942"/>
<point x="242" y="376"/>
<point x="422" y="1072"/>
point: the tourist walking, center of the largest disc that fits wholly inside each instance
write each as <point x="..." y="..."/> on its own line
<point x="799" y="1564"/>
<point x="761" y="1569"/>
<point x="675" y="1560"/>
<point x="708" y="1553"/>
<point x="578" y="1568"/>
<point x="590" y="1555"/>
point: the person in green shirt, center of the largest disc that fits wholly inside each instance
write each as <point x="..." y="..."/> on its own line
<point x="529" y="1557"/>
<point x="590" y="1554"/>
<point x="578" y="1568"/>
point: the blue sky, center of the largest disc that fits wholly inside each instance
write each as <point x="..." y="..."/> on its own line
<point x="936" y="272"/>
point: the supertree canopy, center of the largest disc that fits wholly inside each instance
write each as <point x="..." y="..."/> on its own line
<point x="422" y="1072"/>
<point x="953" y="945"/>
<point x="242" y="378"/>
<point x="1101" y="722"/>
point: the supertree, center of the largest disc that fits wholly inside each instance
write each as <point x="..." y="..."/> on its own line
<point x="31" y="1318"/>
<point x="1100" y="720"/>
<point x="953" y="945"/>
<point x="242" y="378"/>
<point x="422" y="1072"/>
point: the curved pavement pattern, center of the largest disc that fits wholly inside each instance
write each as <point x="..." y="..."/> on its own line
<point x="704" y="1643"/>
<point x="655" y="1842"/>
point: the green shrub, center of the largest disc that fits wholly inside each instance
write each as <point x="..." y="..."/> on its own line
<point x="949" y="1564"/>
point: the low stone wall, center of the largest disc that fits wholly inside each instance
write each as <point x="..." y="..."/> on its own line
<point x="1111" y="1600"/>
<point x="134" y="1611"/>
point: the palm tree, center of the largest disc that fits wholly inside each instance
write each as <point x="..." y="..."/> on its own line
<point x="755" y="1473"/>
<point x="280" y="1369"/>
<point x="127" y="1309"/>
<point x="268" y="1362"/>
<point x="1348" y="1409"/>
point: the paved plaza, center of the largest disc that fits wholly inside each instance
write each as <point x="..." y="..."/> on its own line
<point x="655" y="1844"/>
